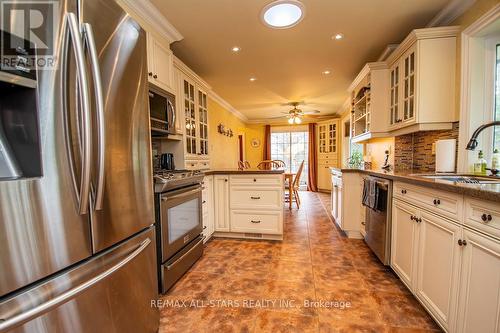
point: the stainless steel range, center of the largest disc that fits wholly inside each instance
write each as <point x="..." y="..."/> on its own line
<point x="179" y="226"/>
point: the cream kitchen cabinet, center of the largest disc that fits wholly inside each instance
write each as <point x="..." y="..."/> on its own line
<point x="249" y="206"/>
<point x="422" y="81"/>
<point x="447" y="251"/>
<point x="160" y="64"/>
<point x="438" y="266"/>
<point x="221" y="202"/>
<point x="346" y="201"/>
<point x="208" y="207"/>
<point x="328" y="151"/>
<point x="404" y="242"/>
<point x="370" y="102"/>
<point x="479" y="299"/>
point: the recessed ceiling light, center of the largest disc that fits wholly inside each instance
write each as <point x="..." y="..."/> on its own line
<point x="252" y="79"/>
<point x="338" y="36"/>
<point x="327" y="72"/>
<point x="236" y="49"/>
<point x="283" y="14"/>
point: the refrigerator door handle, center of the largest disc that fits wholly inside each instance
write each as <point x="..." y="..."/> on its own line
<point x="96" y="73"/>
<point x="7" y="324"/>
<point x="71" y="26"/>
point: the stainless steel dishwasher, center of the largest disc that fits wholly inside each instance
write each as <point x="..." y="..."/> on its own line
<point x="378" y="222"/>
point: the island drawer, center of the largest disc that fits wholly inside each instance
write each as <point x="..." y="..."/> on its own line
<point x="252" y="197"/>
<point x="440" y="202"/>
<point x="483" y="216"/>
<point x="265" y="180"/>
<point x="256" y="222"/>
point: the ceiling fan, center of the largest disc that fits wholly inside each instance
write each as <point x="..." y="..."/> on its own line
<point x="295" y="115"/>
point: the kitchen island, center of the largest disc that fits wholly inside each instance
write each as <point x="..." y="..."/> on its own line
<point x="243" y="203"/>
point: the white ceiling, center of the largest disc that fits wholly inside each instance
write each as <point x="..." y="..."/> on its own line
<point x="288" y="64"/>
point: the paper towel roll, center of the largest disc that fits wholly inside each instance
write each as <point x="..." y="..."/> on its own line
<point x="445" y="155"/>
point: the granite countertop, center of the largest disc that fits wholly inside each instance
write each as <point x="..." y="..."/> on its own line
<point x="482" y="191"/>
<point x="244" y="172"/>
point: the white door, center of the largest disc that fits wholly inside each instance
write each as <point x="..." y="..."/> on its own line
<point x="479" y="300"/>
<point x="221" y="203"/>
<point x="438" y="266"/>
<point x="404" y="241"/>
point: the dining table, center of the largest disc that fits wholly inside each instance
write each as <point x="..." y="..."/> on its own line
<point x="289" y="176"/>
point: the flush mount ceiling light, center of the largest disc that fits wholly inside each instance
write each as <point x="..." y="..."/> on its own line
<point x="236" y="49"/>
<point x="253" y="79"/>
<point x="327" y="72"/>
<point x="338" y="36"/>
<point x="282" y="14"/>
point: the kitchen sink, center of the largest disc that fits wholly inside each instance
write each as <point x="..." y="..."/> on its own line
<point x="464" y="179"/>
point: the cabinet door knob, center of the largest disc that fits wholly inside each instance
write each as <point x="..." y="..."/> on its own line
<point x="150" y="73"/>
<point x="490" y="217"/>
<point x="225" y="180"/>
<point x="462" y="242"/>
<point x="254" y="180"/>
<point x="484" y="217"/>
<point x="155" y="76"/>
<point x="437" y="202"/>
<point x="412" y="218"/>
<point x="403" y="191"/>
<point x="204" y="202"/>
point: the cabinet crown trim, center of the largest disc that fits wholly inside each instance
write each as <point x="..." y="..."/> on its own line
<point x="420" y="34"/>
<point x="150" y="14"/>
<point x="371" y="66"/>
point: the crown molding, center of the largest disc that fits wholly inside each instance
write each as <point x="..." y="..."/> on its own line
<point x="420" y="34"/>
<point x="387" y="52"/>
<point x="450" y="12"/>
<point x="222" y="102"/>
<point x="371" y="66"/>
<point x="148" y="12"/>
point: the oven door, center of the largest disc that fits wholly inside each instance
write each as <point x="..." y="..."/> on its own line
<point x="181" y="219"/>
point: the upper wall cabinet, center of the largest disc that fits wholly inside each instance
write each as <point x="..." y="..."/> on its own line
<point x="369" y="102"/>
<point x="160" y="64"/>
<point x="422" y="81"/>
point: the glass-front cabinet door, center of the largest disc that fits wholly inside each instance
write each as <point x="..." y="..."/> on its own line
<point x="322" y="138"/>
<point x="394" y="80"/>
<point x="190" y="117"/>
<point x="332" y="136"/>
<point x="203" y="123"/>
<point x="409" y="86"/>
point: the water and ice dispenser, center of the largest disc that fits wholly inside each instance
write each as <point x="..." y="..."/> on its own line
<point x="20" y="155"/>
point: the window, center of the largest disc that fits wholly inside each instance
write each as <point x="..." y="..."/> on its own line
<point x="496" y="135"/>
<point x="292" y="148"/>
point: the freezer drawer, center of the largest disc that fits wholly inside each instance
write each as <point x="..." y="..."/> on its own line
<point x="111" y="292"/>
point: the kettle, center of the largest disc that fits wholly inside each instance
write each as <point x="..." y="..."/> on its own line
<point x="167" y="161"/>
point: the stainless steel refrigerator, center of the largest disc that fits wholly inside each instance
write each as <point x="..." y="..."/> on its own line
<point x="77" y="246"/>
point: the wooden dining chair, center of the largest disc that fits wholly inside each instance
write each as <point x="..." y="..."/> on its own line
<point x="267" y="165"/>
<point x="296" y="185"/>
<point x="243" y="165"/>
<point x="280" y="163"/>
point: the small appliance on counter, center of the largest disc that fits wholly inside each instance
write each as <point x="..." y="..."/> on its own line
<point x="179" y="225"/>
<point x="167" y="161"/>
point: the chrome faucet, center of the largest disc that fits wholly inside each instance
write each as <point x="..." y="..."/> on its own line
<point x="473" y="140"/>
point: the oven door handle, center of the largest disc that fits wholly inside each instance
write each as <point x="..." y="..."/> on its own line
<point x="169" y="267"/>
<point x="181" y="195"/>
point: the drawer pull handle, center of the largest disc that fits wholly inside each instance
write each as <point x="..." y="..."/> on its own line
<point x="255" y="198"/>
<point x="437" y="202"/>
<point x="255" y="221"/>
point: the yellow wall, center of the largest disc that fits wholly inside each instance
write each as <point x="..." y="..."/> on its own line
<point x="254" y="155"/>
<point x="224" y="149"/>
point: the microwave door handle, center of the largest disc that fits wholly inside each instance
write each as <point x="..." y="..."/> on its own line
<point x="72" y="28"/>
<point x="101" y="136"/>
<point x="173" y="112"/>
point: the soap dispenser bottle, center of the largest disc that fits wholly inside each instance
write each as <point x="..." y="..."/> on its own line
<point x="480" y="165"/>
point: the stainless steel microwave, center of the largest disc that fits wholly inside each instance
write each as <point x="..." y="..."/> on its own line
<point x="161" y="112"/>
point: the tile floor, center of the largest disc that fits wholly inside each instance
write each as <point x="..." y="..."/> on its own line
<point x="264" y="286"/>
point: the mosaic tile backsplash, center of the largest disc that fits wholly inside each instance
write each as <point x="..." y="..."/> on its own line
<point x="414" y="151"/>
